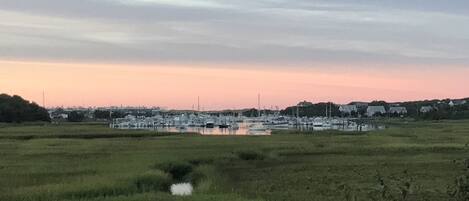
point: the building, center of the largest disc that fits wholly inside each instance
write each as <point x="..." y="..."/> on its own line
<point x="374" y="110"/>
<point x="398" y="110"/>
<point x="453" y="103"/>
<point x="348" y="109"/>
<point x="426" y="109"/>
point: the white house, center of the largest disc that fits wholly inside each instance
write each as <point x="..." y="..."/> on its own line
<point x="348" y="109"/>
<point x="397" y="110"/>
<point x="453" y="103"/>
<point x="373" y="110"/>
<point x="426" y="109"/>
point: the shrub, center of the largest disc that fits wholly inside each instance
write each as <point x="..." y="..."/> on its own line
<point x="460" y="190"/>
<point x="250" y="155"/>
<point x="201" y="161"/>
<point x="152" y="181"/>
<point x="178" y="170"/>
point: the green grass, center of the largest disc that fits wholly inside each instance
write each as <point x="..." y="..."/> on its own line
<point x="72" y="162"/>
<point x="70" y="130"/>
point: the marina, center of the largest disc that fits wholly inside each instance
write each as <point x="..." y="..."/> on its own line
<point x="238" y="125"/>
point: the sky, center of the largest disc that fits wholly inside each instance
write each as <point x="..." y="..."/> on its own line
<point x="169" y="52"/>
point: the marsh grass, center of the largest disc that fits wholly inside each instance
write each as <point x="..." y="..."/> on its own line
<point x="414" y="161"/>
<point x="72" y="131"/>
<point x="152" y="181"/>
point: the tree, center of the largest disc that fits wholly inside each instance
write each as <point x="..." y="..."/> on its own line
<point x="313" y="110"/>
<point x="76" y="116"/>
<point x="104" y="114"/>
<point x="14" y="109"/>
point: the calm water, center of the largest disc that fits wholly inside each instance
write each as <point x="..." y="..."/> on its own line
<point x="244" y="129"/>
<point x="355" y="128"/>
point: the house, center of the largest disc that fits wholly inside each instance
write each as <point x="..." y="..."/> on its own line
<point x="58" y="113"/>
<point x="397" y="110"/>
<point x="348" y="109"/>
<point x="426" y="109"/>
<point x="453" y="103"/>
<point x="374" y="110"/>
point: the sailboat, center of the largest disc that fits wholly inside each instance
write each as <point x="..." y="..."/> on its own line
<point x="210" y="124"/>
<point x="257" y="129"/>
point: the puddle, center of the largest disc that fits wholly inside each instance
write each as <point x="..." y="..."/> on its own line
<point x="182" y="189"/>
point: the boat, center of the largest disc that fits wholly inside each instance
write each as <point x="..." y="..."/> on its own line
<point x="224" y="125"/>
<point x="209" y="124"/>
<point x="318" y="124"/>
<point x="234" y="126"/>
<point x="257" y="129"/>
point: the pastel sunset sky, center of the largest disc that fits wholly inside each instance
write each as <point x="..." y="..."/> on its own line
<point x="169" y="52"/>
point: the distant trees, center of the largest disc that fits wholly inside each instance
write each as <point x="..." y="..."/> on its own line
<point x="76" y="116"/>
<point x="378" y="114"/>
<point x="379" y="103"/>
<point x="250" y="112"/>
<point x="104" y="114"/>
<point x="14" y="109"/>
<point x="442" y="109"/>
<point x="313" y="110"/>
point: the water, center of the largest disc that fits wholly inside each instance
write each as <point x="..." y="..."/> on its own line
<point x="350" y="128"/>
<point x="245" y="129"/>
<point x="242" y="130"/>
<point x="182" y="189"/>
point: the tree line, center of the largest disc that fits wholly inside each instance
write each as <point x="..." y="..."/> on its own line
<point x="15" y="109"/>
<point x="440" y="109"/>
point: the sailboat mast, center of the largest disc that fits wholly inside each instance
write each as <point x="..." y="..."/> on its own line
<point x="259" y="105"/>
<point x="326" y="109"/>
<point x="43" y="99"/>
<point x="297" y="111"/>
<point x="198" y="103"/>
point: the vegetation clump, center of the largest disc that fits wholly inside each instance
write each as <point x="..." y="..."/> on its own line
<point x="178" y="170"/>
<point x="14" y="109"/>
<point x="250" y="155"/>
<point x="152" y="181"/>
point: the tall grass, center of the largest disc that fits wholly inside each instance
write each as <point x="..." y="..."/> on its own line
<point x="408" y="161"/>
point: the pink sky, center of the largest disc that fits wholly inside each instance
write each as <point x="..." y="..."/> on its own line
<point x="229" y="86"/>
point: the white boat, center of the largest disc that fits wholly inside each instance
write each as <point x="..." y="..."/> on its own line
<point x="210" y="124"/>
<point x="318" y="124"/>
<point x="234" y="125"/>
<point x="258" y="129"/>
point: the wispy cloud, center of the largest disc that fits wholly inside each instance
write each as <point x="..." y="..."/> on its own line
<point x="261" y="31"/>
<point x="184" y="3"/>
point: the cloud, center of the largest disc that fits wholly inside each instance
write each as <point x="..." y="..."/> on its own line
<point x="183" y="3"/>
<point x="217" y="31"/>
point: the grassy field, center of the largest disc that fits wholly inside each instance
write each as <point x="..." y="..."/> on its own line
<point x="407" y="161"/>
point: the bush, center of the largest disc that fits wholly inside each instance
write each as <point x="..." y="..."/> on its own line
<point x="76" y="116"/>
<point x="250" y="155"/>
<point x="460" y="190"/>
<point x="152" y="181"/>
<point x="14" y="109"/>
<point x="178" y="170"/>
<point x="201" y="161"/>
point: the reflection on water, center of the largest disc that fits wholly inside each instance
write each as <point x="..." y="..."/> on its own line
<point x="260" y="129"/>
<point x="244" y="129"/>
<point x="345" y="128"/>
